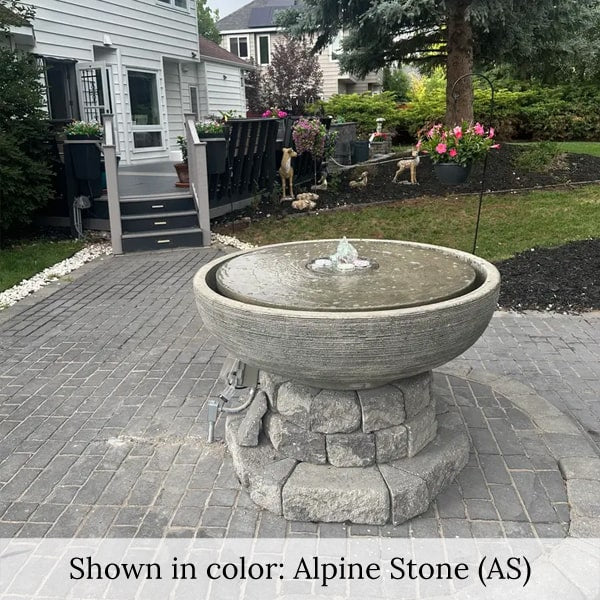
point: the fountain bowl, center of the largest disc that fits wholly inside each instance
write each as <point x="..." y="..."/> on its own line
<point x="355" y="349"/>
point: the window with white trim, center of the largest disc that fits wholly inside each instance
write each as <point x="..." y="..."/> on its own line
<point x="264" y="55"/>
<point x="239" y="46"/>
<point x="195" y="105"/>
<point x="145" y="109"/>
<point x="175" y="3"/>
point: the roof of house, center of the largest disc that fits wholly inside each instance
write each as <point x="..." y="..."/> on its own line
<point x="208" y="50"/>
<point x="255" y="14"/>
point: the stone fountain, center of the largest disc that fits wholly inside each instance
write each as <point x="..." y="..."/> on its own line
<point x="345" y="342"/>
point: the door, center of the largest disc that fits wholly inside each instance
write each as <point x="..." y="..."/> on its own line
<point x="94" y="91"/>
<point x="145" y="107"/>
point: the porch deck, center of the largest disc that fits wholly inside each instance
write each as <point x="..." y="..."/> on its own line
<point x="148" y="179"/>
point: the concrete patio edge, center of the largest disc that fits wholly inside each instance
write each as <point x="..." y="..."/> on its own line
<point x="578" y="461"/>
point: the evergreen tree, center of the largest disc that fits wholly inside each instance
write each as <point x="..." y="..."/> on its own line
<point x="207" y="21"/>
<point x="24" y="158"/>
<point x="294" y="77"/>
<point x="457" y="33"/>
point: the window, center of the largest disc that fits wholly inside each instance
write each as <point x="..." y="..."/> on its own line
<point x="176" y="3"/>
<point x="194" y="101"/>
<point x="336" y="46"/>
<point x="145" y="109"/>
<point x="263" y="50"/>
<point x="239" y="46"/>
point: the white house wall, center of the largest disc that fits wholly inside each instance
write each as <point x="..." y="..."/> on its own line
<point x="144" y="30"/>
<point x="225" y="88"/>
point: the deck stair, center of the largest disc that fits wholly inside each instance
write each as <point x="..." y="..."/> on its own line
<point x="159" y="221"/>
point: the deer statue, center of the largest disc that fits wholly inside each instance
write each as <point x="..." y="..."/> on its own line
<point x="408" y="163"/>
<point x="361" y="181"/>
<point x="286" y="172"/>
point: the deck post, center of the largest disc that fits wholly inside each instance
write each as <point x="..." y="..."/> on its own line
<point x="109" y="149"/>
<point x="198" y="175"/>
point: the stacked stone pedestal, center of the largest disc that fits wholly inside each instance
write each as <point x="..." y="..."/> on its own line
<point x="364" y="456"/>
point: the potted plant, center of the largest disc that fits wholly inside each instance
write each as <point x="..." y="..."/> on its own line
<point x="454" y="150"/>
<point x="182" y="169"/>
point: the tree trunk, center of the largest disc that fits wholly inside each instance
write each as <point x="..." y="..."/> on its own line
<point x="459" y="104"/>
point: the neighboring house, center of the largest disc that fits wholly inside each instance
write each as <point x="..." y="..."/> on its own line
<point x="139" y="59"/>
<point x="249" y="32"/>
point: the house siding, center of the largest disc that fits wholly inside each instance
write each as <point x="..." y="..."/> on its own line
<point x="225" y="89"/>
<point x="145" y="30"/>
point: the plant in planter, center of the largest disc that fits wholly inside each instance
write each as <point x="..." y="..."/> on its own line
<point x="84" y="130"/>
<point x="274" y="113"/>
<point x="210" y="129"/>
<point x="454" y="150"/>
<point x="85" y="158"/>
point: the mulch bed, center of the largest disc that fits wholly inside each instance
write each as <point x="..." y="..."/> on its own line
<point x="564" y="279"/>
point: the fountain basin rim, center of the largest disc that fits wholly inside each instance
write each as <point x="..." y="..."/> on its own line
<point x="491" y="280"/>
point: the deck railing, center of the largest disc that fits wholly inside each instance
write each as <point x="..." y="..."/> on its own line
<point x="198" y="176"/>
<point x="109" y="148"/>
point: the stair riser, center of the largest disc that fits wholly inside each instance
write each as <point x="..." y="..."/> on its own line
<point x="159" y="242"/>
<point x="150" y="207"/>
<point x="159" y="223"/>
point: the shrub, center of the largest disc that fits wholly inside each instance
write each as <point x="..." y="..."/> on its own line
<point x="364" y="109"/>
<point x="24" y="158"/>
<point x="536" y="113"/>
<point x="536" y="158"/>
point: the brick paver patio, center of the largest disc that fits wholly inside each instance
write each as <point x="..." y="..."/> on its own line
<point x="103" y="386"/>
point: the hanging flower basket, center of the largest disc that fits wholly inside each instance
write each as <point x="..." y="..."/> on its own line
<point x="451" y="173"/>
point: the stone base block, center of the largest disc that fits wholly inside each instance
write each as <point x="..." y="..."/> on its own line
<point x="261" y="470"/>
<point x="295" y="442"/>
<point x="331" y="494"/>
<point x="415" y="482"/>
<point x="373" y="495"/>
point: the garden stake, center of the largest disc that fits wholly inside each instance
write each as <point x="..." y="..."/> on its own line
<point x="485" y="160"/>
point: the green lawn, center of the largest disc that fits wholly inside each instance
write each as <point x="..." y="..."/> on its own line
<point x="509" y="223"/>
<point x="592" y="148"/>
<point x="25" y="260"/>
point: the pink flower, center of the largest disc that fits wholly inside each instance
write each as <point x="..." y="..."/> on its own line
<point x="267" y="113"/>
<point x="457" y="132"/>
<point x="418" y="146"/>
<point x="453" y="152"/>
<point x="281" y="114"/>
<point x="478" y="129"/>
<point x="491" y="135"/>
<point x="430" y="132"/>
<point x="440" y="148"/>
<point x="495" y="146"/>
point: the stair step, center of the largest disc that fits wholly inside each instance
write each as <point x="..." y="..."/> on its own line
<point x="166" y="196"/>
<point x="172" y="238"/>
<point x="156" y="205"/>
<point x="160" y="221"/>
<point x="174" y="213"/>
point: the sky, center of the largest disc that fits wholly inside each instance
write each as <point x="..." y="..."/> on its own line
<point x="226" y="6"/>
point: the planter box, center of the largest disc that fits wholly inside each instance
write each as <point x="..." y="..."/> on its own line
<point x="451" y="173"/>
<point x="384" y="147"/>
<point x="343" y="144"/>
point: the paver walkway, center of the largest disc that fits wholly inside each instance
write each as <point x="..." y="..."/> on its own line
<point x="103" y="421"/>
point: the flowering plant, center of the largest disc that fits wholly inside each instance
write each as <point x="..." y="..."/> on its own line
<point x="462" y="144"/>
<point x="89" y="128"/>
<point x="274" y="113"/>
<point x="380" y="136"/>
<point x="210" y="126"/>
<point x="309" y="135"/>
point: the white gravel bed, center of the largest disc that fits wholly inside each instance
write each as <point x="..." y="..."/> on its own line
<point x="28" y="286"/>
<point x="230" y="240"/>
